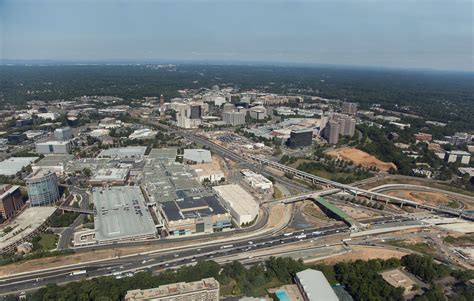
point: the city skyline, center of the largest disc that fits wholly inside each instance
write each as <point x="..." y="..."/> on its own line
<point x="404" y="34"/>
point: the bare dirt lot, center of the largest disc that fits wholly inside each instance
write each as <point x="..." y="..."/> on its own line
<point x="358" y="213"/>
<point x="360" y="157"/>
<point x="365" y="253"/>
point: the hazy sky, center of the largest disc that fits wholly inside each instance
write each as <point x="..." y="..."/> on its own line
<point x="395" y="33"/>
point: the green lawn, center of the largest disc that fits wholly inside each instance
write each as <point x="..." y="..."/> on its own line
<point x="420" y="247"/>
<point x="461" y="240"/>
<point x="48" y="241"/>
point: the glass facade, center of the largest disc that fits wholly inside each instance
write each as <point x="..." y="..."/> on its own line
<point x="42" y="188"/>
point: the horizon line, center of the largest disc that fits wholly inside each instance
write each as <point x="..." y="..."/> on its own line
<point x="215" y="62"/>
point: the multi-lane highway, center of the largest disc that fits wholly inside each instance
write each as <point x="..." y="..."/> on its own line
<point x="170" y="258"/>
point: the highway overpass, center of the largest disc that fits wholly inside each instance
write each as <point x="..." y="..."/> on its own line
<point x="356" y="190"/>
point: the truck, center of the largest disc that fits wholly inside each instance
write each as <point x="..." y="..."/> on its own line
<point x="78" y="272"/>
<point x="288" y="234"/>
<point x="317" y="233"/>
<point x="227" y="246"/>
<point x="301" y="236"/>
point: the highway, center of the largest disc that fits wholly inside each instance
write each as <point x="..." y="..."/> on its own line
<point x="157" y="260"/>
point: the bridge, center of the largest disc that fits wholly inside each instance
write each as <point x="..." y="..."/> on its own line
<point x="75" y="209"/>
<point x="353" y="190"/>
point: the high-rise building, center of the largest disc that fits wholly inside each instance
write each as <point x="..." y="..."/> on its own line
<point x="300" y="138"/>
<point x="42" y="187"/>
<point x="10" y="201"/>
<point x="195" y="112"/>
<point x="162" y="108"/>
<point x="203" y="290"/>
<point x="63" y="134"/>
<point x="234" y="118"/>
<point x="258" y="112"/>
<point x="332" y="132"/>
<point x="228" y="107"/>
<point x="349" y="108"/>
<point x="349" y="126"/>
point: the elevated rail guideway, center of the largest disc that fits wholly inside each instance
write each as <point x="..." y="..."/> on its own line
<point x="356" y="190"/>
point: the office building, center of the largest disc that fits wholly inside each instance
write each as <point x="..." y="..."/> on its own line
<point x="346" y="124"/>
<point x="240" y="203"/>
<point x="300" y="138"/>
<point x="459" y="138"/>
<point x="228" y="107"/>
<point x="63" y="134"/>
<point x="331" y="132"/>
<point x="203" y="290"/>
<point x="188" y="116"/>
<point x="24" y="122"/>
<point x="53" y="147"/>
<point x="234" y="118"/>
<point x="349" y="108"/>
<point x="10" y="201"/>
<point x="349" y="126"/>
<point x="423" y="137"/>
<point x="42" y="187"/>
<point x="455" y="156"/>
<point x="16" y="138"/>
<point x="314" y="286"/>
<point x="257" y="181"/>
<point x="195" y="112"/>
<point x="258" y="113"/>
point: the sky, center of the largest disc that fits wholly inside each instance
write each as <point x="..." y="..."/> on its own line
<point x="418" y="34"/>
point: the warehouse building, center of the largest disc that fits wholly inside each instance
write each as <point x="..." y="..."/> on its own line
<point x="240" y="203"/>
<point x="121" y="214"/>
<point x="203" y="290"/>
<point x="42" y="186"/>
<point x="314" y="286"/>
<point x="53" y="147"/>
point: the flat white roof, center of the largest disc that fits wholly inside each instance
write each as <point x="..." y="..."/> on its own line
<point x="124" y="152"/>
<point x="121" y="213"/>
<point x="11" y="166"/>
<point x="108" y="174"/>
<point x="316" y="286"/>
<point x="238" y="198"/>
<point x="197" y="155"/>
<point x="53" y="143"/>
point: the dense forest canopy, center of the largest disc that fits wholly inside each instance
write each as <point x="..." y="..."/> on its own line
<point x="441" y="96"/>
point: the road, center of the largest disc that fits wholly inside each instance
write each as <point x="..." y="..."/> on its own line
<point x="170" y="258"/>
<point x="67" y="233"/>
